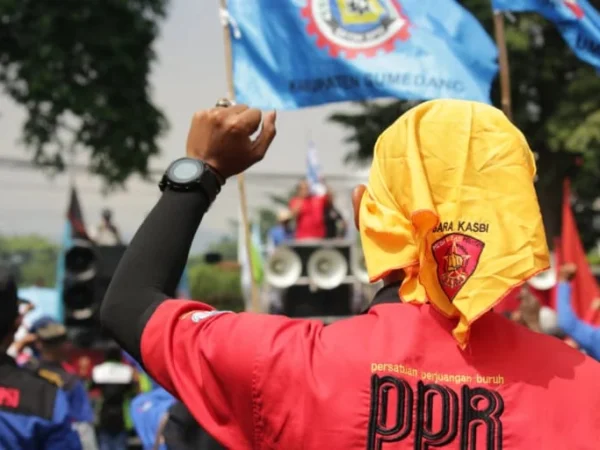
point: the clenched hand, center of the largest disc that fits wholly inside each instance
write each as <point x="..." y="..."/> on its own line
<point x="220" y="137"/>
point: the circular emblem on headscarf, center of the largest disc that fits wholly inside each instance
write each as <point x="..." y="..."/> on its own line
<point x="356" y="26"/>
<point x="457" y="256"/>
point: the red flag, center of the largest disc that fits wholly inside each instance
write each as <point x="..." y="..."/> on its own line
<point x="75" y="217"/>
<point x="585" y="287"/>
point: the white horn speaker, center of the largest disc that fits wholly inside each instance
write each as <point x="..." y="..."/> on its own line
<point x="284" y="267"/>
<point x="327" y="268"/>
<point x="359" y="266"/>
<point x="545" y="280"/>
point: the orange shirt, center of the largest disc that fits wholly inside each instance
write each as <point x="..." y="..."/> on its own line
<point x="393" y="378"/>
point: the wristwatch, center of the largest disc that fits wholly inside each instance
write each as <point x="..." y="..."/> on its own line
<point x="191" y="175"/>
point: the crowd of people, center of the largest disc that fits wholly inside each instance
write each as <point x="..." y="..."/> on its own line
<point x="54" y="402"/>
<point x="431" y="363"/>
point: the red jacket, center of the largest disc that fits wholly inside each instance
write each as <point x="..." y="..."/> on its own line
<point x="310" y="222"/>
<point x="393" y="378"/>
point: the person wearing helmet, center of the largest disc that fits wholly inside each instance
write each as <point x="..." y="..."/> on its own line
<point x="450" y="222"/>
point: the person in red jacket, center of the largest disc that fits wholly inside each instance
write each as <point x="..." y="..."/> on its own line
<point x="309" y="211"/>
<point x="429" y="365"/>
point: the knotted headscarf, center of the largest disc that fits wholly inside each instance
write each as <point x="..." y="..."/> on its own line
<point x="451" y="200"/>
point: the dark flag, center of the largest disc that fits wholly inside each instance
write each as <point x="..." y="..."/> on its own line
<point x="75" y="217"/>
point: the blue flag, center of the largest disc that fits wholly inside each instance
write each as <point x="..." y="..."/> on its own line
<point x="313" y="171"/>
<point x="577" y="21"/>
<point x="289" y="54"/>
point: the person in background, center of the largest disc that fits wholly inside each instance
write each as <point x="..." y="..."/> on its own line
<point x="182" y="432"/>
<point x="34" y="413"/>
<point x="20" y="349"/>
<point x="149" y="412"/>
<point x="335" y="224"/>
<point x="541" y="319"/>
<point x="106" y="233"/>
<point x="586" y="336"/>
<point x="282" y="232"/>
<point x="529" y="310"/>
<point x="51" y="349"/>
<point x="84" y="368"/>
<point x="115" y="380"/>
<point x="309" y="212"/>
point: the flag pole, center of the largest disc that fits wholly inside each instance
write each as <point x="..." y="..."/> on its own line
<point x="255" y="300"/>
<point x="504" y="65"/>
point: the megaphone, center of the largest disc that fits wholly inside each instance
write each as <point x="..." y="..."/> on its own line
<point x="327" y="268"/>
<point x="359" y="266"/>
<point x="283" y="269"/>
<point x="545" y="280"/>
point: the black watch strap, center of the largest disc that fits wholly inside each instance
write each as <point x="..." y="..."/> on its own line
<point x="205" y="181"/>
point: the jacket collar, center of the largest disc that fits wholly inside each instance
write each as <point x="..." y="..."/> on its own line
<point x="387" y="294"/>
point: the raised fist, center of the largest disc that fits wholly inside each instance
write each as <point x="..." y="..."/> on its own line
<point x="567" y="272"/>
<point x="220" y="137"/>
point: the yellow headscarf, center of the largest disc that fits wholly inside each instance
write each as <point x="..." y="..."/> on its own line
<point x="451" y="201"/>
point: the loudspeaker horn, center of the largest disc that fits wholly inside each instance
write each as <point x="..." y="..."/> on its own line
<point x="283" y="269"/>
<point x="327" y="268"/>
<point x="80" y="261"/>
<point x="359" y="266"/>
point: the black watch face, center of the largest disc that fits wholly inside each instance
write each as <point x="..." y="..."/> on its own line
<point x="185" y="171"/>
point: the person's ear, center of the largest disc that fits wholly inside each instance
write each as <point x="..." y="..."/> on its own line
<point x="357" y="195"/>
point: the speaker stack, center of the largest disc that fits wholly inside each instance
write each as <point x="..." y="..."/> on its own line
<point x="317" y="278"/>
<point x="88" y="271"/>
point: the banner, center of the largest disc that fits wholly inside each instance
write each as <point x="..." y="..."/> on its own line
<point x="577" y="21"/>
<point x="313" y="171"/>
<point x="290" y="54"/>
<point x="584" y="286"/>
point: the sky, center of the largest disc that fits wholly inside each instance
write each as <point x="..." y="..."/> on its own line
<point x="189" y="75"/>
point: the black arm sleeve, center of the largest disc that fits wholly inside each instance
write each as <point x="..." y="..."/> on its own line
<point x="151" y="268"/>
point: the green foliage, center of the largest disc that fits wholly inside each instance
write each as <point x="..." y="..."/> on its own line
<point x="80" y="68"/>
<point x="227" y="247"/>
<point x="366" y="126"/>
<point x="556" y="103"/>
<point x="218" y="287"/>
<point x="33" y="257"/>
<point x="594" y="259"/>
<point x="267" y="219"/>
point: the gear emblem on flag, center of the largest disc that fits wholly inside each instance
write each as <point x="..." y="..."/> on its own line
<point x="354" y="27"/>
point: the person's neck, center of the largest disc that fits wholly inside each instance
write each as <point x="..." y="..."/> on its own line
<point x="396" y="276"/>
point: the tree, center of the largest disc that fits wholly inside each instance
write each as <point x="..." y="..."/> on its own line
<point x="556" y="103"/>
<point x="32" y="257"/>
<point x="80" y="68"/>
